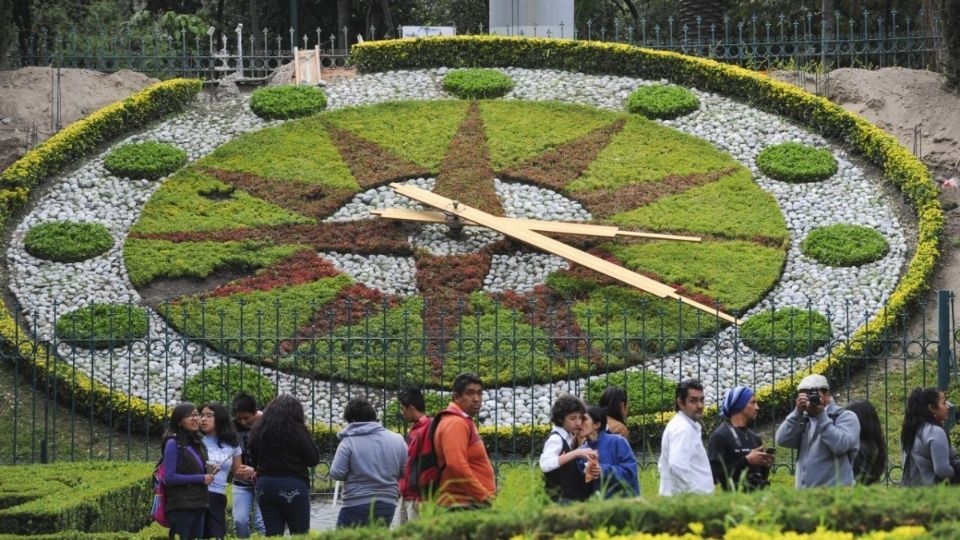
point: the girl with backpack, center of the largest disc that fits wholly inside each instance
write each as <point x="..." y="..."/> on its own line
<point x="223" y="452"/>
<point x="184" y="462"/>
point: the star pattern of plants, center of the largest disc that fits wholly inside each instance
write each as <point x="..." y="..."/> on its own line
<point x="265" y="202"/>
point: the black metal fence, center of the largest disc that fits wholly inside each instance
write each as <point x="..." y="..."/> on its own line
<point x="50" y="410"/>
<point x="871" y="40"/>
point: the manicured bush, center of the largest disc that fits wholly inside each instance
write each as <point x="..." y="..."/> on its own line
<point x="845" y="245"/>
<point x="100" y="326"/>
<point x="795" y="162"/>
<point x="67" y="241"/>
<point x="477" y="83"/>
<point x="151" y="160"/>
<point x="663" y="101"/>
<point x="646" y="392"/>
<point x="786" y="332"/>
<point x="221" y="383"/>
<point x="96" y="496"/>
<point x="284" y="102"/>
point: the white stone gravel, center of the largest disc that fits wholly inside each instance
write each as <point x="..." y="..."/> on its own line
<point x="847" y="295"/>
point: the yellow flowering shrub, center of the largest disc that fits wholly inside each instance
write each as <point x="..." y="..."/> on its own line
<point x="745" y="532"/>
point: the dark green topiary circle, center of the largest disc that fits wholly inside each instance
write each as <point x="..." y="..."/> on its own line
<point x="646" y="392"/>
<point x="150" y="160"/>
<point x="477" y="83"/>
<point x="795" y="162"/>
<point x="221" y="383"/>
<point x="67" y="241"/>
<point x="786" y="332"/>
<point x="664" y="101"/>
<point x="845" y="245"/>
<point x="284" y="102"/>
<point x="100" y="326"/>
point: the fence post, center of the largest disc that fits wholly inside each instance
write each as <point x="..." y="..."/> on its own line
<point x="944" y="350"/>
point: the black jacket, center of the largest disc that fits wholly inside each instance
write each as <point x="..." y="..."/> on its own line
<point x="289" y="458"/>
<point x="727" y="450"/>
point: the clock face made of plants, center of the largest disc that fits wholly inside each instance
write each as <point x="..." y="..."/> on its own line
<point x="275" y="235"/>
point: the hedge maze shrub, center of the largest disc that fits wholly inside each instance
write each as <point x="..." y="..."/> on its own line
<point x="477" y="83"/>
<point x="67" y="241"/>
<point x="663" y="101"/>
<point x="221" y="383"/>
<point x="845" y="245"/>
<point x="795" y="162"/>
<point x="100" y="326"/>
<point x="284" y="102"/>
<point x="150" y="160"/>
<point x="786" y="332"/>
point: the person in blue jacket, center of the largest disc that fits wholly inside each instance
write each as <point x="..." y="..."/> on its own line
<point x="614" y="471"/>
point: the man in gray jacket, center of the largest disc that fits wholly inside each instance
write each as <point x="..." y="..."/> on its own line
<point x="370" y="459"/>
<point x="825" y="436"/>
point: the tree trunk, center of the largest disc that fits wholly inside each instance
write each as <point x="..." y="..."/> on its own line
<point x="343" y="21"/>
<point x="254" y="22"/>
<point x="951" y="36"/>
<point x="387" y="18"/>
<point x="829" y="33"/>
<point x="711" y="13"/>
<point x="24" y="22"/>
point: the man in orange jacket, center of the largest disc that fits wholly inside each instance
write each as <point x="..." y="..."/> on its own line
<point x="467" y="479"/>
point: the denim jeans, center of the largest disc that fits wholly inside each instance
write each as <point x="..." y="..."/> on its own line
<point x="284" y="501"/>
<point x="186" y="524"/>
<point x="243" y="502"/>
<point x="364" y="514"/>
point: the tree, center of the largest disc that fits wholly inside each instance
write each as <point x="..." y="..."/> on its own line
<point x="344" y="9"/>
<point x="711" y="12"/>
<point x="951" y="36"/>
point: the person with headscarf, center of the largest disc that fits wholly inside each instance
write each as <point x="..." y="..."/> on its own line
<point x="737" y="458"/>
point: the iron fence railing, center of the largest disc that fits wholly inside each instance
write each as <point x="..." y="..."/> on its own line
<point x="526" y="355"/>
<point x="873" y="39"/>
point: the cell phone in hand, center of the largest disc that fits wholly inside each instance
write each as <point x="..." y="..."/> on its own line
<point x="771" y="450"/>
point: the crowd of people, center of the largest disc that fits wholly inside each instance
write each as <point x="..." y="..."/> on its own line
<point x="268" y="454"/>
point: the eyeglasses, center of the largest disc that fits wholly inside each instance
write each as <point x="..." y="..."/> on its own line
<point x="208" y="415"/>
<point x="194" y="416"/>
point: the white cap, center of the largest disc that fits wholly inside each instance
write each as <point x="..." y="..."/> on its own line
<point x="813" y="382"/>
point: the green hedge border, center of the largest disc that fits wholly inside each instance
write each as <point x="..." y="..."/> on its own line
<point x="899" y="166"/>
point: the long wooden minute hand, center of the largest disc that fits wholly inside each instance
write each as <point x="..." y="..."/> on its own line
<point x="513" y="229"/>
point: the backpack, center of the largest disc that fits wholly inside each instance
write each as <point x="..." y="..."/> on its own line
<point x="159" y="511"/>
<point x="425" y="470"/>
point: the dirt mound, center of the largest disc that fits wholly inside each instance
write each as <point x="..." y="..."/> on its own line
<point x="26" y="101"/>
<point x="898" y="100"/>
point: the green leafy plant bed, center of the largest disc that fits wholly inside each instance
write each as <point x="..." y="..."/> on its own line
<point x="150" y="160"/>
<point x="663" y="101"/>
<point x="845" y="245"/>
<point x="477" y="83"/>
<point x="67" y="241"/>
<point x="795" y="162"/>
<point x="646" y="392"/>
<point x="284" y="102"/>
<point x="786" y="331"/>
<point x="100" y="326"/>
<point x="221" y="383"/>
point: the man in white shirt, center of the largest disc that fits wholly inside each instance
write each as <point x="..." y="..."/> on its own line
<point x="684" y="466"/>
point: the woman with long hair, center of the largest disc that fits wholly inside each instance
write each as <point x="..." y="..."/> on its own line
<point x="927" y="455"/>
<point x="223" y="456"/>
<point x="870" y="465"/>
<point x="614" y="401"/>
<point x="614" y="469"/>
<point x="282" y="451"/>
<point x="184" y="473"/>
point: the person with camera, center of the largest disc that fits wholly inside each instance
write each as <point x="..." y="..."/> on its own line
<point x="825" y="436"/>
<point x="928" y="458"/>
<point x="737" y="458"/>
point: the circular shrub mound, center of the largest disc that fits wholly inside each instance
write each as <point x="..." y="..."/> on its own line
<point x="646" y="392"/>
<point x="845" y="245"/>
<point x="786" y="332"/>
<point x="795" y="162"/>
<point x="663" y="101"/>
<point x="101" y="326"/>
<point x="284" y="102"/>
<point x="67" y="241"/>
<point x="150" y="160"/>
<point x="477" y="83"/>
<point x="221" y="383"/>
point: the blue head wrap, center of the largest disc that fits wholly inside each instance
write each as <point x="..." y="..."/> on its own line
<point x="735" y="401"/>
